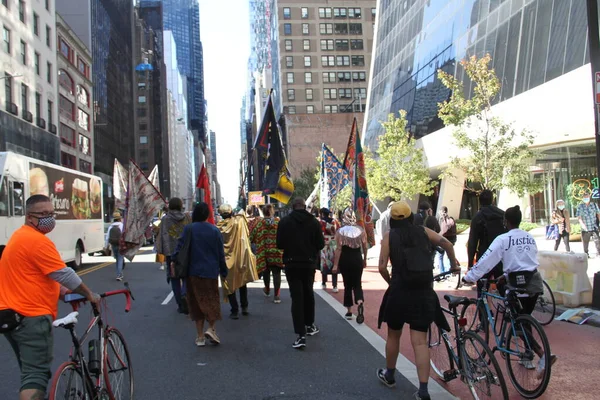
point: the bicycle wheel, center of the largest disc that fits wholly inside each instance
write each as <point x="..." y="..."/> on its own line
<point x="476" y="316"/>
<point x="118" y="374"/>
<point x="439" y="353"/>
<point x="524" y="336"/>
<point x="481" y="370"/>
<point x="545" y="308"/>
<point x="68" y="383"/>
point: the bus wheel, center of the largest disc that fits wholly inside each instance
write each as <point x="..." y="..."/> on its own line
<point x="76" y="263"/>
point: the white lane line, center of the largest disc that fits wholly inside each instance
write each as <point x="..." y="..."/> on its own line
<point x="168" y="299"/>
<point x="403" y="365"/>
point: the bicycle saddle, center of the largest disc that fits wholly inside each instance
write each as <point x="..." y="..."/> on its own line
<point x="69" y="319"/>
<point x="455" y="301"/>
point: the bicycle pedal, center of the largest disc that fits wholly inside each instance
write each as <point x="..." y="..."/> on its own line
<point x="450" y="375"/>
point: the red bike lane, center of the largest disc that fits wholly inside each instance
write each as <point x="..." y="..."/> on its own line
<point x="575" y="374"/>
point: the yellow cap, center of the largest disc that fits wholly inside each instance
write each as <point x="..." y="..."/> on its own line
<point x="116" y="215"/>
<point x="225" y="209"/>
<point x="400" y="210"/>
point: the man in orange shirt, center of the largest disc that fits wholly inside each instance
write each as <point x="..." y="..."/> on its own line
<point x="31" y="275"/>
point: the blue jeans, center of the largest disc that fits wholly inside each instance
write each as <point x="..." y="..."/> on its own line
<point x="177" y="285"/>
<point x="119" y="257"/>
<point x="441" y="256"/>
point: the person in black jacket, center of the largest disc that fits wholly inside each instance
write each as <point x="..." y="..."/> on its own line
<point x="300" y="237"/>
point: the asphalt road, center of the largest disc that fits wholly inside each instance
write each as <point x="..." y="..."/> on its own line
<point x="254" y="361"/>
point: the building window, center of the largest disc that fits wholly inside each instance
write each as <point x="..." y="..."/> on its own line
<point x="67" y="135"/>
<point x="83" y="68"/>
<point x="85" y="166"/>
<point x="290" y="77"/>
<point x="83" y="119"/>
<point x="287" y="13"/>
<point x="328" y="77"/>
<point x="143" y="127"/>
<point x="83" y="96"/>
<point x="307" y="62"/>
<point x="289" y="61"/>
<point x="49" y="72"/>
<point x="291" y="94"/>
<point x="341" y="44"/>
<point x="67" y="160"/>
<point x="38" y="105"/>
<point x="24" y="97"/>
<point x="287" y="29"/>
<point x="359" y="76"/>
<point x="6" y="39"/>
<point x="22" y="11"/>
<point x="310" y="109"/>
<point x="66" y="108"/>
<point x="48" y="5"/>
<point x="345" y="93"/>
<point x="331" y="109"/>
<point x="84" y="145"/>
<point x="23" y="53"/>
<point x="356" y="29"/>
<point x="339" y="13"/>
<point x="373" y="13"/>
<point x="328" y="61"/>
<point x="291" y="109"/>
<point x="141" y="112"/>
<point x="50" y="112"/>
<point x="48" y="36"/>
<point x="304" y="12"/>
<point x="356" y="44"/>
<point x="65" y="49"/>
<point x="143" y="139"/>
<point x="8" y="88"/>
<point x="330" y="94"/>
<point x="325" y="12"/>
<point x="326" y="29"/>
<point x="288" y="45"/>
<point x="327" y="44"/>
<point x="306" y="44"/>
<point x="141" y="99"/>
<point x="341" y="29"/>
<point x="65" y="81"/>
<point x="344" y="76"/>
<point x="360" y="93"/>
<point x="358" y="61"/>
<point x="309" y="94"/>
<point x="36" y="24"/>
<point x="354" y="13"/>
<point x="36" y="62"/>
<point x="343" y="61"/>
<point x="308" y="77"/>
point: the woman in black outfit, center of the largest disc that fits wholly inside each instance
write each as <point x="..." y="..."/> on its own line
<point x="410" y="298"/>
<point x="350" y="239"/>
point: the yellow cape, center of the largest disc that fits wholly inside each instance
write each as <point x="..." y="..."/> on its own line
<point x="241" y="263"/>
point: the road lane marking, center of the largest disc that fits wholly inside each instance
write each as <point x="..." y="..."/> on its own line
<point x="168" y="299"/>
<point x="95" y="268"/>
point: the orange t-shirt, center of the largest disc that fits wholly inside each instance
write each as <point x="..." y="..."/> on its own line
<point x="25" y="286"/>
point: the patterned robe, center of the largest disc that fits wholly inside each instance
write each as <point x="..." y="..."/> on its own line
<point x="328" y="252"/>
<point x="264" y="238"/>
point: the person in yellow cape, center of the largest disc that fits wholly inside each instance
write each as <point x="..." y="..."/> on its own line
<point x="241" y="263"/>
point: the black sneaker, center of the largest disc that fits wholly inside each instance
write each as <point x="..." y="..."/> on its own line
<point x="300" y="343"/>
<point x="348" y="316"/>
<point x="360" y="318"/>
<point x="312" y="330"/>
<point x="419" y="397"/>
<point x="245" y="311"/>
<point x="234" y="315"/>
<point x="383" y="378"/>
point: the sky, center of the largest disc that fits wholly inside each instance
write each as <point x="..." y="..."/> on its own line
<point x="225" y="35"/>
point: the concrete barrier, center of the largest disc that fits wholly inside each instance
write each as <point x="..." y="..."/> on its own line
<point x="566" y="274"/>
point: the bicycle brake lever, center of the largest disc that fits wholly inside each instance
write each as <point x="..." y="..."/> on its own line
<point x="129" y="290"/>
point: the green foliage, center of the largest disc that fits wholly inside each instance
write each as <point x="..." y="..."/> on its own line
<point x="305" y="184"/>
<point x="461" y="227"/>
<point x="399" y="168"/>
<point x="498" y="155"/>
<point x="575" y="229"/>
<point x="527" y="226"/>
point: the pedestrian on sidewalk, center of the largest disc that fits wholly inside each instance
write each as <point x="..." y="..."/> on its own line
<point x="268" y="257"/>
<point x="32" y="278"/>
<point x="329" y="228"/>
<point x="562" y="219"/>
<point x="384" y="221"/>
<point x="410" y="297"/>
<point x="241" y="262"/>
<point x="447" y="230"/>
<point x="113" y="238"/>
<point x="588" y="214"/>
<point x="171" y="229"/>
<point x="350" y="240"/>
<point x="206" y="264"/>
<point x="300" y="237"/>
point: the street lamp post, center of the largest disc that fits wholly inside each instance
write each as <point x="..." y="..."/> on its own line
<point x="594" y="46"/>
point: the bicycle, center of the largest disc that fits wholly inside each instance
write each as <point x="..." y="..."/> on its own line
<point x="470" y="357"/>
<point x="545" y="308"/>
<point x="518" y="337"/>
<point x="101" y="377"/>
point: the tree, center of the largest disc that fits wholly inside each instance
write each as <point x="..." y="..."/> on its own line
<point x="399" y="169"/>
<point x="305" y="184"/>
<point x="498" y="155"/>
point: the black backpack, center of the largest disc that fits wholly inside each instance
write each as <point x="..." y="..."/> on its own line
<point x="114" y="235"/>
<point x="493" y="226"/>
<point x="415" y="258"/>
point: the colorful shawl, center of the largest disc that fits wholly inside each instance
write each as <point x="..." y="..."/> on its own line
<point x="264" y="237"/>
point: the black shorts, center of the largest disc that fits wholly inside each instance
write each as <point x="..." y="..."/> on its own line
<point x="415" y="326"/>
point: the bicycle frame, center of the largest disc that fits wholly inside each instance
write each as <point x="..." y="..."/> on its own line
<point x="445" y="335"/>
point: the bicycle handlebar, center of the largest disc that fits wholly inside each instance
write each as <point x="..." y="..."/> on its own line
<point x="75" y="299"/>
<point x="438" y="277"/>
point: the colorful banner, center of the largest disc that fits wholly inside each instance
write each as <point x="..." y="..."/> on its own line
<point x="153" y="178"/>
<point x="336" y="175"/>
<point x="120" y="181"/>
<point x="204" y="184"/>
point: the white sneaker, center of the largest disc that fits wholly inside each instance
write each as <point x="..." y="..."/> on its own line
<point x="528" y="364"/>
<point x="335" y="290"/>
<point x="200" y="342"/>
<point x="541" y="368"/>
<point x="161" y="268"/>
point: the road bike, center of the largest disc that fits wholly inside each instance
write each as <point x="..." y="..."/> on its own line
<point x="106" y="374"/>
<point x="545" y="308"/>
<point x="463" y="353"/>
<point x="518" y="337"/>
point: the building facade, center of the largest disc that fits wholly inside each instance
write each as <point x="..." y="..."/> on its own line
<point x="539" y="52"/>
<point x="75" y="94"/>
<point x="28" y="76"/>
